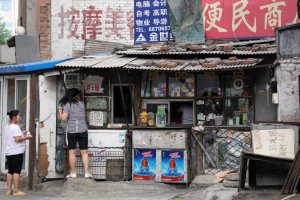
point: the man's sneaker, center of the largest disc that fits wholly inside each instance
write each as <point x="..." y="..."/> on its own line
<point x="88" y="175"/>
<point x="71" y="175"/>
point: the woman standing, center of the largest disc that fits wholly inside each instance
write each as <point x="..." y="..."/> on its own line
<point x="72" y="110"/>
<point x="15" y="148"/>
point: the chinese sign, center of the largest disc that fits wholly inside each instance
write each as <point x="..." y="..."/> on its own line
<point x="245" y="18"/>
<point x="274" y="142"/>
<point x="93" y="84"/>
<point x="172" y="166"/>
<point x="151" y="21"/>
<point x="92" y="22"/>
<point x="96" y="118"/>
<point x="144" y="164"/>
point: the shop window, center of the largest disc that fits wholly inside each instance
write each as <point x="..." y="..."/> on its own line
<point x="181" y="84"/>
<point x="154" y="84"/>
<point x="96" y="84"/>
<point x="97" y="111"/>
<point x="119" y="117"/>
<point x="208" y="84"/>
<point x="96" y="98"/>
<point x="181" y="113"/>
<point x="224" y="99"/>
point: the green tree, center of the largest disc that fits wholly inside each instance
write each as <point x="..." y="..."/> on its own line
<point x="4" y="32"/>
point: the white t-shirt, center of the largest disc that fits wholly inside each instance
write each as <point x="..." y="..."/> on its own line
<point x="13" y="147"/>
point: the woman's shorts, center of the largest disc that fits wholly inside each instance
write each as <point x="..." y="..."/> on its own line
<point x="81" y="138"/>
<point x="14" y="163"/>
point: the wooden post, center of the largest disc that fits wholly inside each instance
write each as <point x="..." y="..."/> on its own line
<point x="32" y="128"/>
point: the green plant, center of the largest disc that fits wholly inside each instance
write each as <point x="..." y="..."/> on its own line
<point x="4" y="32"/>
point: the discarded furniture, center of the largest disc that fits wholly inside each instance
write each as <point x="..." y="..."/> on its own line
<point x="271" y="170"/>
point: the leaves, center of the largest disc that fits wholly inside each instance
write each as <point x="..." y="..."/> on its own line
<point x="4" y="32"/>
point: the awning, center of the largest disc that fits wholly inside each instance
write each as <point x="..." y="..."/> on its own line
<point x="98" y="61"/>
<point x="30" y="67"/>
<point x="133" y="63"/>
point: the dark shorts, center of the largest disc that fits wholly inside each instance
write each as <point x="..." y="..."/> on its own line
<point x="14" y="163"/>
<point x="81" y="138"/>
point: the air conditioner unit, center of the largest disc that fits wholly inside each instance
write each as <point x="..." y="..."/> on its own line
<point x="72" y="80"/>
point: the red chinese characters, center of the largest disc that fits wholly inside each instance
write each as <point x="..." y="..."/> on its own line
<point x="245" y="18"/>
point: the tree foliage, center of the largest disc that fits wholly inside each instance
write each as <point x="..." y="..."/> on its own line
<point x="4" y="32"/>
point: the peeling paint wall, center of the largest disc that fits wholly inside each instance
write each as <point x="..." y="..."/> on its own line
<point x="287" y="75"/>
<point x="47" y="130"/>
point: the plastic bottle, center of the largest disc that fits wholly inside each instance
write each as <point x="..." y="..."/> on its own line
<point x="160" y="116"/>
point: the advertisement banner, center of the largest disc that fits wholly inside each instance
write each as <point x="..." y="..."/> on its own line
<point x="245" y="18"/>
<point x="144" y="166"/>
<point x="172" y="165"/>
<point x="151" y="21"/>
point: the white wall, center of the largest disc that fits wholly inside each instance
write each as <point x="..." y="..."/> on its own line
<point x="287" y="74"/>
<point x="7" y="55"/>
<point x="47" y="133"/>
<point x="67" y="16"/>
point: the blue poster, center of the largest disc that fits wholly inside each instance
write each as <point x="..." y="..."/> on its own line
<point x="172" y="165"/>
<point x="151" y="21"/>
<point x="144" y="166"/>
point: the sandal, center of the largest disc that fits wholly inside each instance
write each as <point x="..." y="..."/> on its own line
<point x="19" y="193"/>
<point x="9" y="193"/>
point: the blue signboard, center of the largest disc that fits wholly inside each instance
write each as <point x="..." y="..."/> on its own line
<point x="172" y="165"/>
<point x="151" y="21"/>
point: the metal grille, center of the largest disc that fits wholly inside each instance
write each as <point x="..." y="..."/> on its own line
<point x="224" y="146"/>
<point x="106" y="163"/>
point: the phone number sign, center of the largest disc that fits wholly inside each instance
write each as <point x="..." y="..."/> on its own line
<point x="151" y="21"/>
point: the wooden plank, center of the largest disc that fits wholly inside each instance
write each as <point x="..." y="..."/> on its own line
<point x="32" y="128"/>
<point x="206" y="153"/>
<point x="292" y="179"/>
<point x="243" y="170"/>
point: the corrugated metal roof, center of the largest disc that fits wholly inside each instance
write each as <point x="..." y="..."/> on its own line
<point x="218" y="67"/>
<point x="185" y="65"/>
<point x="122" y="62"/>
<point x="203" y="52"/>
<point x="106" y="61"/>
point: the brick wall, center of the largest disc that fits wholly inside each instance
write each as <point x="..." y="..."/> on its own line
<point x="73" y="21"/>
<point x="45" y="29"/>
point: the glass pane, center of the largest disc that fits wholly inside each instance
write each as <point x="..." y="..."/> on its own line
<point x="22" y="101"/>
<point x="181" y="84"/>
<point x="96" y="103"/>
<point x="11" y="94"/>
<point x="119" y="116"/>
<point x="238" y="85"/>
<point x="154" y="84"/>
<point x="208" y="84"/>
<point x="152" y="107"/>
<point x="230" y="111"/>
<point x="97" y="84"/>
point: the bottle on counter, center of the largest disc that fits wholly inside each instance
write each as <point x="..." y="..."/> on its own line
<point x="161" y="116"/>
<point x="151" y="119"/>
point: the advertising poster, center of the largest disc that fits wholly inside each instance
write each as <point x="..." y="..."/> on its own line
<point x="144" y="164"/>
<point x="172" y="166"/>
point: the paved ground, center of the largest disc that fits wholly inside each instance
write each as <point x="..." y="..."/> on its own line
<point x="79" y="189"/>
